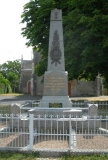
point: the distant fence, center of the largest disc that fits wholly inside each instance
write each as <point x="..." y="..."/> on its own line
<point x="102" y="106"/>
<point x="54" y="133"/>
<point x="5" y="106"/>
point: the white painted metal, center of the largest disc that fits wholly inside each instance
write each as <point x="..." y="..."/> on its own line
<point x="36" y="137"/>
<point x="31" y="131"/>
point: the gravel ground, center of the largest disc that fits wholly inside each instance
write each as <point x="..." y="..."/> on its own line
<point x="96" y="142"/>
<point x="53" y="142"/>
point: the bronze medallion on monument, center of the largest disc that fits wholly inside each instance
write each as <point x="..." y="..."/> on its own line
<point x="55" y="52"/>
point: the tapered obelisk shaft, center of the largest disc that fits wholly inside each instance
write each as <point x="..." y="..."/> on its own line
<point x="56" y="46"/>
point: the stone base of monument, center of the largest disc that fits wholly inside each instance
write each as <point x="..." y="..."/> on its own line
<point x="56" y="112"/>
<point x="55" y="102"/>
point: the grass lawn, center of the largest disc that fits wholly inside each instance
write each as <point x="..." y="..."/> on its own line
<point x="35" y="156"/>
<point x="100" y="98"/>
<point x="18" y="156"/>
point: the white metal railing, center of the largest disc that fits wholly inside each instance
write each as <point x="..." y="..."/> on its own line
<point x="55" y="133"/>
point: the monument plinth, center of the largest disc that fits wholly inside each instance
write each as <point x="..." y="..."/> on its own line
<point x="56" y="78"/>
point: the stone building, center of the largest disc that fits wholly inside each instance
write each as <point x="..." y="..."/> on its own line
<point x="29" y="82"/>
<point x="36" y="82"/>
<point x="25" y="77"/>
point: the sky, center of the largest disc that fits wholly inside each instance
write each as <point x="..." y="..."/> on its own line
<point x="12" y="43"/>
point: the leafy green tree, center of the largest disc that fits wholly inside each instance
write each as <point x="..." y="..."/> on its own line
<point x="89" y="38"/>
<point x="85" y="25"/>
<point x="11" y="71"/>
<point x="4" y="84"/>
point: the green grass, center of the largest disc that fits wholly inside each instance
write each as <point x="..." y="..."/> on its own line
<point x="86" y="157"/>
<point x="18" y="156"/>
<point x="34" y="155"/>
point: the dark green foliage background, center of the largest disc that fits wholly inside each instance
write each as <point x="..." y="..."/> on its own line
<point x="85" y="27"/>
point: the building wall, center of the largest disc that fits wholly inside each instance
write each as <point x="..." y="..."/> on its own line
<point x="27" y="74"/>
<point x="83" y="88"/>
<point x="26" y="64"/>
<point x="37" y="85"/>
<point x="87" y="88"/>
<point x="26" y="71"/>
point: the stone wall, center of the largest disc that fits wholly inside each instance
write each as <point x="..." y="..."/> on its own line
<point x="86" y="88"/>
<point x="26" y="76"/>
<point x="36" y="82"/>
<point x="83" y="88"/>
<point x="26" y="71"/>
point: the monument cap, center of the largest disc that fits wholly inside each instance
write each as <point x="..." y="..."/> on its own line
<point x="56" y="15"/>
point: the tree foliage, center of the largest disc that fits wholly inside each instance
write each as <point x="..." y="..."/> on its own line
<point x="11" y="71"/>
<point x="89" y="37"/>
<point x="85" y="26"/>
<point x="4" y="83"/>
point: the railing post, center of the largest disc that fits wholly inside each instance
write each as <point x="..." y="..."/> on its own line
<point x="70" y="132"/>
<point x="31" y="131"/>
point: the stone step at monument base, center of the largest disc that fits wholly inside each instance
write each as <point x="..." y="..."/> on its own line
<point x="55" y="102"/>
<point x="55" y="112"/>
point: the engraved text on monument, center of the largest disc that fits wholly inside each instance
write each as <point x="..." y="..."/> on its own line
<point x="55" y="83"/>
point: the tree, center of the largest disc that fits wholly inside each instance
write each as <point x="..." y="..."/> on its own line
<point x="4" y="84"/>
<point x="88" y="32"/>
<point x="11" y="71"/>
<point x="85" y="25"/>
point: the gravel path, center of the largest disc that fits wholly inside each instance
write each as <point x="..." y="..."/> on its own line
<point x="98" y="141"/>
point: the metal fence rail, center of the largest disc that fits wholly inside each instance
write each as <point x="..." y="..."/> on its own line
<point x="5" y="106"/>
<point x="102" y="106"/>
<point x="55" y="133"/>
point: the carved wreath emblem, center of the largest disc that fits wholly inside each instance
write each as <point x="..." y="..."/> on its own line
<point x="55" y="52"/>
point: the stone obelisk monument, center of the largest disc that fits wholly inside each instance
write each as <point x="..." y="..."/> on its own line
<point x="56" y="78"/>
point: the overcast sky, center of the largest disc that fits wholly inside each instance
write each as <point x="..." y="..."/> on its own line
<point x="12" y="44"/>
